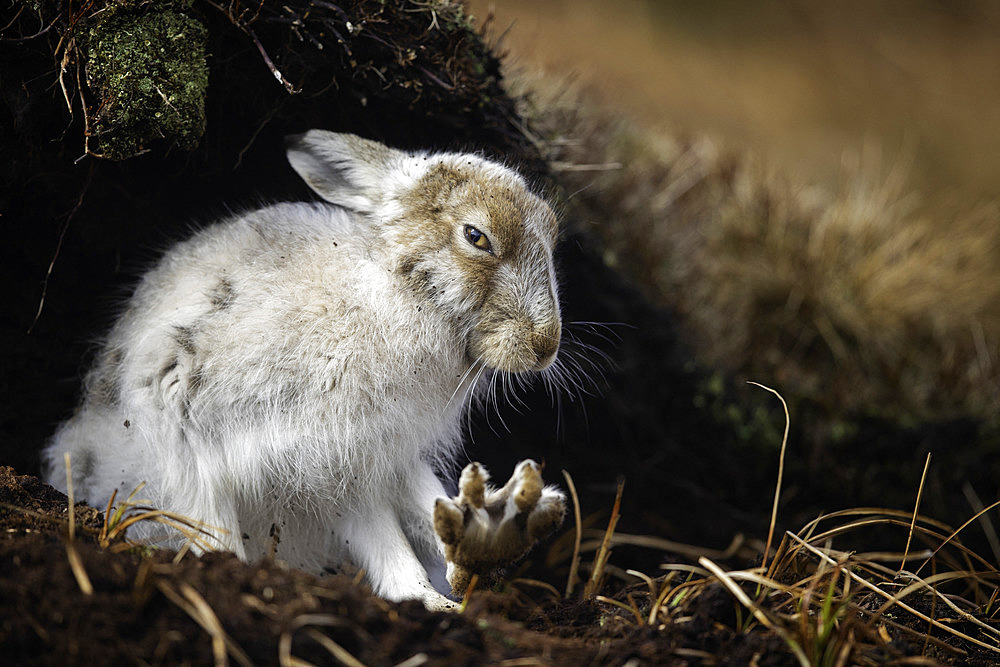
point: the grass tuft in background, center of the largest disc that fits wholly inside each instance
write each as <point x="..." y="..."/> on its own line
<point x="856" y="298"/>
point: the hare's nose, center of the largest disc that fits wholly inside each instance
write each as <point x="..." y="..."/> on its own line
<point x="545" y="344"/>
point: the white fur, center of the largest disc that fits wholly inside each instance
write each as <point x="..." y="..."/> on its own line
<point x="276" y="374"/>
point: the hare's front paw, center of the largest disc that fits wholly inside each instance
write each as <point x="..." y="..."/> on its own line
<point x="484" y="529"/>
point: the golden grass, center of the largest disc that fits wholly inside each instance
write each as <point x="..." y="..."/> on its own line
<point x="75" y="563"/>
<point x="577" y="535"/>
<point x="842" y="607"/>
<point x="195" y="606"/>
<point x="851" y="298"/>
<point x="828" y="606"/>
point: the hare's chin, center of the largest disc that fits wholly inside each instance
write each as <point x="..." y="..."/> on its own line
<point x="519" y="365"/>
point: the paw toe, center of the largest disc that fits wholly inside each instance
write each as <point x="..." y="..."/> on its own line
<point x="548" y="514"/>
<point x="472" y="485"/>
<point x="527" y="480"/>
<point x="449" y="521"/>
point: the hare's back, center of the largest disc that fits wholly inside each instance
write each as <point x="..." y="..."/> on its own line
<point x="250" y="296"/>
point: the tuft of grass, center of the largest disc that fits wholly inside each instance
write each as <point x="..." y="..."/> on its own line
<point x="829" y="606"/>
<point x="119" y="518"/>
<point x="834" y="607"/>
<point x="850" y="297"/>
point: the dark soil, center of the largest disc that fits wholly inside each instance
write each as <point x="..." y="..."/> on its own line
<point x="133" y="614"/>
<point x="151" y="607"/>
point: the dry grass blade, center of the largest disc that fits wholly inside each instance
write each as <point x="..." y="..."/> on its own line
<point x="726" y="580"/>
<point x="69" y="493"/>
<point x="414" y="661"/>
<point x="737" y="547"/>
<point x="118" y="519"/>
<point x="878" y="591"/>
<point x="703" y="657"/>
<point x="958" y="530"/>
<point x="904" y="629"/>
<point x="335" y="649"/>
<point x="574" y="564"/>
<point x="928" y="584"/>
<point x="916" y="510"/>
<point x="601" y="560"/>
<point x="884" y="517"/>
<point x="103" y="539"/>
<point x="196" y="533"/>
<point x="781" y="473"/>
<point x="473" y="582"/>
<point x="195" y="606"/>
<point x="285" y="657"/>
<point x="632" y="609"/>
<point x="645" y="577"/>
<point x="987" y="525"/>
<point x="868" y="511"/>
<point x="534" y="583"/>
<point x="684" y="567"/>
<point x="75" y="563"/>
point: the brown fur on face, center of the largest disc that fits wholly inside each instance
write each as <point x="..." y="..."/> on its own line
<point x="506" y="296"/>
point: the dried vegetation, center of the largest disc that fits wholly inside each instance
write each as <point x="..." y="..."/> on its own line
<point x="856" y="300"/>
<point x="918" y="596"/>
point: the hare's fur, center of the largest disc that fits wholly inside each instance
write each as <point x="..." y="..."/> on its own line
<point x="296" y="376"/>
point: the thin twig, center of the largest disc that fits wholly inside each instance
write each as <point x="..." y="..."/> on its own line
<point x="59" y="243"/>
<point x="245" y="27"/>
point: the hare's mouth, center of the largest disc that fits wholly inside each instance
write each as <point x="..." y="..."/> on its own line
<point x="510" y="353"/>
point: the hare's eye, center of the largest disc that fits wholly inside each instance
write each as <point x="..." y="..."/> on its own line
<point x="478" y="239"/>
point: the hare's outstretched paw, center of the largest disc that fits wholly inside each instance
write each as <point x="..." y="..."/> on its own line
<point x="484" y="529"/>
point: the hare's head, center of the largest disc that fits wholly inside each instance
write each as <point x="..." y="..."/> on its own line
<point x="463" y="232"/>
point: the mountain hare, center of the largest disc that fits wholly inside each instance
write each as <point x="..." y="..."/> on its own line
<point x="296" y="377"/>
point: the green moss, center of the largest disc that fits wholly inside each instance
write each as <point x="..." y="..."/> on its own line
<point x="751" y="417"/>
<point x="147" y="73"/>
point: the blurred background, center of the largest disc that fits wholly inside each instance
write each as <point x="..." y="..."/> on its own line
<point x="810" y="189"/>
<point x="801" y="82"/>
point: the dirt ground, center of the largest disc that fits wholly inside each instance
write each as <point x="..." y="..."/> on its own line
<point x="152" y="607"/>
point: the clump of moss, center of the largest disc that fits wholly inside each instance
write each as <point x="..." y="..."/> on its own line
<point x="145" y="66"/>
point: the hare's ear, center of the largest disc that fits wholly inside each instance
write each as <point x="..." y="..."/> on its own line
<point x="341" y="168"/>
